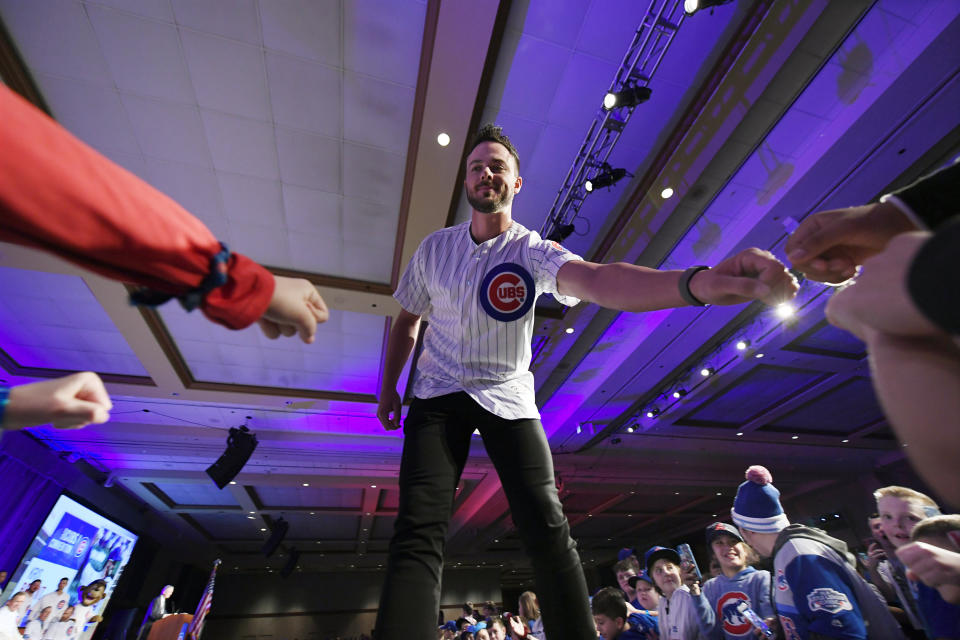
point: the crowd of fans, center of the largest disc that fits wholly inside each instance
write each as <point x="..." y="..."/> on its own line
<point x="769" y="578"/>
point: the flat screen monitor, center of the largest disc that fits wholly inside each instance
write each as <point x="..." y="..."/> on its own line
<point x="80" y="545"/>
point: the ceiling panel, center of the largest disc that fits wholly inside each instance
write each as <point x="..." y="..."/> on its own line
<point x="53" y="321"/>
<point x="843" y="410"/>
<point x="275" y="497"/>
<point x="196" y="494"/>
<point x="752" y="394"/>
<point x="826" y="339"/>
<point x="348" y="357"/>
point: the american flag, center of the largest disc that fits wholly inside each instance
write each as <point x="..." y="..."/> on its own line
<point x="196" y="626"/>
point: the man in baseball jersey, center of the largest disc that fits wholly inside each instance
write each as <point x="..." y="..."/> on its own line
<point x="56" y="600"/>
<point x="476" y="284"/>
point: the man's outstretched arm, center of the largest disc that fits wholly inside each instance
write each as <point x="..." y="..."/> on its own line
<point x="750" y="275"/>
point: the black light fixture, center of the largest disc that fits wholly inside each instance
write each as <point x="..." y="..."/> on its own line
<point x="679" y="393"/>
<point x="278" y="531"/>
<point x="692" y="6"/>
<point x="240" y="446"/>
<point x="653" y="412"/>
<point x="293" y="557"/>
<point x="561" y="232"/>
<point x="629" y="96"/>
<point x="607" y="177"/>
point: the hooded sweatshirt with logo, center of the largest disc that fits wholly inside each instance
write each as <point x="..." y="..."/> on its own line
<point x="717" y="604"/>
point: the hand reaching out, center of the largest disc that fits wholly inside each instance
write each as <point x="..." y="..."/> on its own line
<point x="829" y="245"/>
<point x="750" y="275"/>
<point x="296" y="307"/>
<point x="71" y="402"/>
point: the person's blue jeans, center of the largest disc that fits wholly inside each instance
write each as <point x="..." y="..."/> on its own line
<point x="437" y="440"/>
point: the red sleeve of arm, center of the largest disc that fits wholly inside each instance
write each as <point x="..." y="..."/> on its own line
<point x="59" y="195"/>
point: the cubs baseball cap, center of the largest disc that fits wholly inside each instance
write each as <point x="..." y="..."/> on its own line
<point x="625" y="553"/>
<point x="643" y="575"/>
<point x="719" y="528"/>
<point x="655" y="553"/>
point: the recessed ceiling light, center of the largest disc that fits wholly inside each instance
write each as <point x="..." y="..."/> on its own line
<point x="794" y="437"/>
<point x="250" y="518"/>
<point x="306" y="484"/>
<point x="262" y="529"/>
<point x="253" y="512"/>
<point x="739" y="433"/>
<point x="845" y="440"/>
<point x="233" y="482"/>
<point x="443" y="139"/>
<point x="759" y="355"/>
<point x="373" y="486"/>
<point x="666" y="193"/>
<point x="569" y="330"/>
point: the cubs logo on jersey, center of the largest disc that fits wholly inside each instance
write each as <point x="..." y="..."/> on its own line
<point x="782" y="581"/>
<point x="733" y="622"/>
<point x="507" y="292"/>
<point x="789" y="628"/>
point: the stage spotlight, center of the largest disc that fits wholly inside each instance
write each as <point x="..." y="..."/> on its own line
<point x="606" y="178"/>
<point x="742" y="345"/>
<point x="707" y="371"/>
<point x="278" y="532"/>
<point x="679" y="393"/>
<point x="653" y="412"/>
<point x="240" y="446"/>
<point x="784" y="310"/>
<point x="293" y="557"/>
<point x="561" y="232"/>
<point x="692" y="6"/>
<point x="627" y="97"/>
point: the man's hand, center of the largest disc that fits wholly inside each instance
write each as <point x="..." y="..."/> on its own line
<point x="296" y="307"/>
<point x="750" y="275"/>
<point x="878" y="301"/>
<point x="389" y="407"/>
<point x="69" y="403"/>
<point x="933" y="565"/>
<point x="875" y="554"/>
<point x="829" y="245"/>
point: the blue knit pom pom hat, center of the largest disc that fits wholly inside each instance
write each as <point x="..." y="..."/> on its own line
<point x="757" y="505"/>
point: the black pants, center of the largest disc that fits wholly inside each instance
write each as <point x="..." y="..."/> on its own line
<point x="437" y="440"/>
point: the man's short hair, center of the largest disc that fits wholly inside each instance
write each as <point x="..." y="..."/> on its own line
<point x="627" y="564"/>
<point x="492" y="133"/>
<point x="609" y="602"/>
<point x="496" y="621"/>
<point x="936" y="526"/>
<point x="904" y="493"/>
<point x="36" y="581"/>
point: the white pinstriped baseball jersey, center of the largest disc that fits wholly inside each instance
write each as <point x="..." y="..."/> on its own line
<point x="478" y="301"/>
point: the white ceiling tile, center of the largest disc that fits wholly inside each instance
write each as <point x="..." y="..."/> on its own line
<point x="91" y="112"/>
<point x="305" y="95"/>
<point x="236" y="19"/>
<point x="373" y="174"/>
<point x="382" y="38"/>
<point x="367" y="262"/>
<point x="251" y="200"/>
<point x="534" y="77"/>
<point x="558" y="21"/>
<point x="239" y="145"/>
<point x="132" y="163"/>
<point x="158" y="9"/>
<point x="56" y="38"/>
<point x="168" y="130"/>
<point x="581" y="91"/>
<point x="195" y="188"/>
<point x="227" y="76"/>
<point x="309" y="160"/>
<point x="265" y="244"/>
<point x="304" y="28"/>
<point x="608" y="39"/>
<point x="377" y="113"/>
<point x="143" y="55"/>
<point x="312" y="210"/>
<point x="370" y="223"/>
<point x="316" y="252"/>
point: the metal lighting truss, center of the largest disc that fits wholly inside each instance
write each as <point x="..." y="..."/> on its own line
<point x="650" y="42"/>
